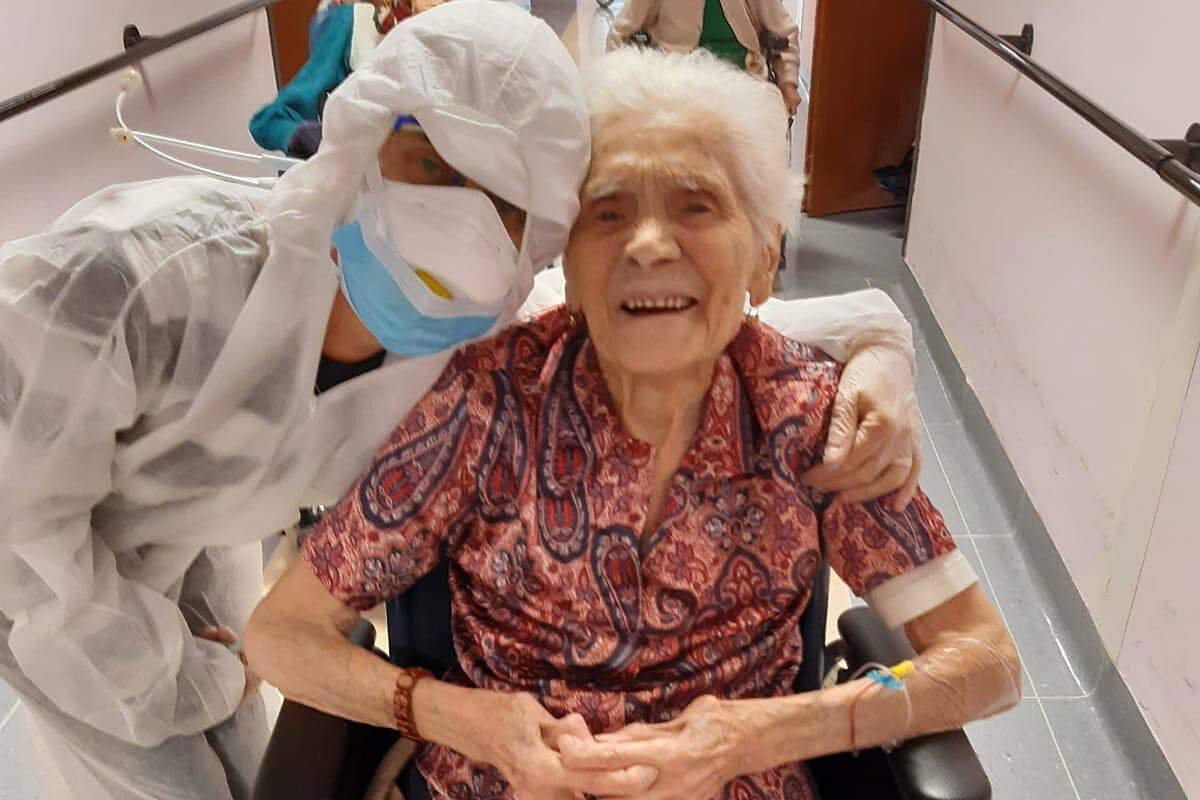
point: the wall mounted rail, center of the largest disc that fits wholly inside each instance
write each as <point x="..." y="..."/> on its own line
<point x="1175" y="161"/>
<point x="137" y="48"/>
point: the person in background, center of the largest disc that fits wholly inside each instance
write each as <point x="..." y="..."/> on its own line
<point x="342" y="35"/>
<point x="759" y="36"/>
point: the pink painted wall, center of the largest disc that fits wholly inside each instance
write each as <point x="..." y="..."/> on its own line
<point x="1161" y="655"/>
<point x="1054" y="263"/>
<point x="204" y="90"/>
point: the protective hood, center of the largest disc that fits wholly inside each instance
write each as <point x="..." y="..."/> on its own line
<point x="498" y="96"/>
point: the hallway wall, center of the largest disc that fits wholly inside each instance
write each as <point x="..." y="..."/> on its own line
<point x="1055" y="264"/>
<point x="204" y="90"/>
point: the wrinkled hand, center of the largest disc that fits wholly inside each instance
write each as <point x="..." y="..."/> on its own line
<point x="791" y="98"/>
<point x="228" y="638"/>
<point x="694" y="755"/>
<point x="874" y="444"/>
<point x="524" y="745"/>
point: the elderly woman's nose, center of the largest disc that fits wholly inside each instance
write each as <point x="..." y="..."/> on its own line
<point x="652" y="243"/>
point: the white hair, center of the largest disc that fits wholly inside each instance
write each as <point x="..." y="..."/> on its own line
<point x="749" y="111"/>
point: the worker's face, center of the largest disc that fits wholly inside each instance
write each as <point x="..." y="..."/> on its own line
<point x="409" y="157"/>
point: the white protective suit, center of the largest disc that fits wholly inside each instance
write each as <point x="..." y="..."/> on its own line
<point x="158" y="350"/>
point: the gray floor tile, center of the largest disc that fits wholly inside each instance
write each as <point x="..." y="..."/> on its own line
<point x="7" y="699"/>
<point x="982" y="505"/>
<point x="968" y="549"/>
<point x="894" y="290"/>
<point x="900" y="298"/>
<point x="937" y="486"/>
<point x="931" y="392"/>
<point x="1022" y="605"/>
<point x="20" y="778"/>
<point x="862" y="252"/>
<point x="796" y="286"/>
<point x="1069" y="614"/>
<point x="1018" y="754"/>
<point x="1098" y="762"/>
<point x="879" y="221"/>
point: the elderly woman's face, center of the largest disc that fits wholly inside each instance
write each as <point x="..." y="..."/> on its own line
<point x="663" y="254"/>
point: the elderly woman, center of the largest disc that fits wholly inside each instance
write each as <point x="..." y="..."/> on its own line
<point x="617" y="487"/>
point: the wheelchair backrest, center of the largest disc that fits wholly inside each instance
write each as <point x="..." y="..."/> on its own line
<point x="419" y="632"/>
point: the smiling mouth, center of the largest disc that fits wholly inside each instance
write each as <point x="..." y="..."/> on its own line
<point x="651" y="306"/>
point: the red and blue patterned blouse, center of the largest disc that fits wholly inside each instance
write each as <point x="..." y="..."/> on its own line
<point x="516" y="468"/>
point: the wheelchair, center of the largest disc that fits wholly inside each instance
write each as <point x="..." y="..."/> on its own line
<point x="314" y="755"/>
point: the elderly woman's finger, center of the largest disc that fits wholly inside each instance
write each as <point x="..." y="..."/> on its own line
<point x="572" y="725"/>
<point x="579" y="755"/>
<point x="625" y="782"/>
<point x="636" y="732"/>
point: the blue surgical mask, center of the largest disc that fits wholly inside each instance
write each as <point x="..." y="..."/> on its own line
<point x="382" y="297"/>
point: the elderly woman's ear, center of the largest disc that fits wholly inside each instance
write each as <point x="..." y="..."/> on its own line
<point x="762" y="281"/>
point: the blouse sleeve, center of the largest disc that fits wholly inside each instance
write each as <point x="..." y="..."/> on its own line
<point x="389" y="530"/>
<point x="904" y="563"/>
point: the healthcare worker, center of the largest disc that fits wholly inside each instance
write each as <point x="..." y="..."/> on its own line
<point x="159" y="346"/>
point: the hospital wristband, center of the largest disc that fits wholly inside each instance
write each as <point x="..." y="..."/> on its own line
<point x="406" y="681"/>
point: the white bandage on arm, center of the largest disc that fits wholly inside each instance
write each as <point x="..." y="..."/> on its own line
<point x="908" y="596"/>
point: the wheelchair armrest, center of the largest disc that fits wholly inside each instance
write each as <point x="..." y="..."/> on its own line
<point x="314" y="754"/>
<point x="942" y="766"/>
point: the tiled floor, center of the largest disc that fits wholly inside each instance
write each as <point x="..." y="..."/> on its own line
<point x="1056" y="745"/>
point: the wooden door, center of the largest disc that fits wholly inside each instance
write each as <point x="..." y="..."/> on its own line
<point x="867" y="68"/>
<point x="289" y="27"/>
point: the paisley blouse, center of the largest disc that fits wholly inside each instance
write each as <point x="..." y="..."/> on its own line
<point x="516" y="469"/>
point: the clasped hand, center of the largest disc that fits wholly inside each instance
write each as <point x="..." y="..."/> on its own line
<point x="689" y="758"/>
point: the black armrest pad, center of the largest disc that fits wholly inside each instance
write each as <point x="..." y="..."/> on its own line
<point x="943" y="766"/>
<point x="314" y="754"/>
<point x="867" y="639"/>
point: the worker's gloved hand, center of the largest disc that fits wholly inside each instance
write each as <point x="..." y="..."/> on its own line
<point x="791" y="98"/>
<point x="228" y="638"/>
<point x="874" y="443"/>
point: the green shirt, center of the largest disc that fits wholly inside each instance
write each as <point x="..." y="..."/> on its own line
<point x="717" y="37"/>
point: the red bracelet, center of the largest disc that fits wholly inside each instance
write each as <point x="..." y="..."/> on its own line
<point x="406" y="681"/>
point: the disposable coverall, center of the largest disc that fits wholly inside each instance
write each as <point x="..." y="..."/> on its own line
<point x="158" y="349"/>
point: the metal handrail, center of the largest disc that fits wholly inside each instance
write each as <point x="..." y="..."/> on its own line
<point x="1149" y="152"/>
<point x="142" y="48"/>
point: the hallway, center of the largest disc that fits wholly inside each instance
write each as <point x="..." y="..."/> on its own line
<point x="1078" y="733"/>
<point x="1059" y="744"/>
